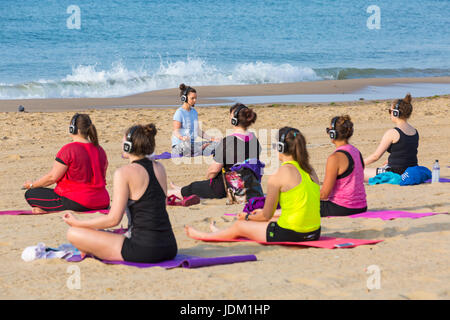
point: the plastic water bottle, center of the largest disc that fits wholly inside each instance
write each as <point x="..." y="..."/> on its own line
<point x="435" y="172"/>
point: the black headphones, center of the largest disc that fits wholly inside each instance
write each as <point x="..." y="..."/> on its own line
<point x="128" y="144"/>
<point x="396" y="111"/>
<point x="73" y="129"/>
<point x="184" y="96"/>
<point x="235" y="119"/>
<point x="281" y="144"/>
<point x="333" y="132"/>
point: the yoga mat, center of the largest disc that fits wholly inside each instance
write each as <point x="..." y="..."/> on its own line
<point x="168" y="155"/>
<point x="390" y="215"/>
<point x="29" y="212"/>
<point x="323" y="242"/>
<point x="180" y="260"/>
<point x="440" y="180"/>
<point x="384" y="215"/>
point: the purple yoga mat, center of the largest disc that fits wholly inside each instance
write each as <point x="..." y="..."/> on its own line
<point x="164" y="155"/>
<point x="28" y="212"/>
<point x="168" y="155"/>
<point x="181" y="260"/>
<point x="440" y="180"/>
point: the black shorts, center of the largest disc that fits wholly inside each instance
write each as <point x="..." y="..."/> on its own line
<point x="275" y="233"/>
<point x="49" y="201"/>
<point x="328" y="208"/>
<point x="133" y="252"/>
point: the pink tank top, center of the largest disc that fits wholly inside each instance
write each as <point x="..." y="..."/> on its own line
<point x="348" y="190"/>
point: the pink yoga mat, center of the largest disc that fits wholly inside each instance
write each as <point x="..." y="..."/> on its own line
<point x="323" y="242"/>
<point x="28" y="212"/>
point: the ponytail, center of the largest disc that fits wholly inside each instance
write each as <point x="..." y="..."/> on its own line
<point x="92" y="135"/>
<point x="87" y="129"/>
<point x="296" y="147"/>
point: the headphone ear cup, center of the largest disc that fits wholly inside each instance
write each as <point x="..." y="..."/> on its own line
<point x="127" y="146"/>
<point x="396" y="113"/>
<point x="183" y="98"/>
<point x="333" y="134"/>
<point x="280" y="147"/>
<point x="234" y="121"/>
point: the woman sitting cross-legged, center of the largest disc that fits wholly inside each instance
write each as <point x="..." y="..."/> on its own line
<point x="79" y="171"/>
<point x="140" y="187"/>
<point x="343" y="192"/>
<point x="295" y="185"/>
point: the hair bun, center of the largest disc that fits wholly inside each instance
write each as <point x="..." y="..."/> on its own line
<point x="150" y="130"/>
<point x="182" y="87"/>
<point x="407" y="98"/>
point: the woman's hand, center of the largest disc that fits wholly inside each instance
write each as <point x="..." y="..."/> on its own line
<point x="28" y="184"/>
<point x="255" y="214"/>
<point x="70" y="219"/>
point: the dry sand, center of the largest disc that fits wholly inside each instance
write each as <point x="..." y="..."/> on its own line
<point x="413" y="258"/>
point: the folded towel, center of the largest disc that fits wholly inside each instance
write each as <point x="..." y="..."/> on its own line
<point x="386" y="177"/>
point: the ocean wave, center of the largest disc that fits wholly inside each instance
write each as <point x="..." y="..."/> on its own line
<point x="94" y="82"/>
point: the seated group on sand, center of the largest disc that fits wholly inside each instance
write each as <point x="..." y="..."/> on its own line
<point x="140" y="187"/>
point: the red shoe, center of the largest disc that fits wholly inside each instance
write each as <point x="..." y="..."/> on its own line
<point x="173" y="200"/>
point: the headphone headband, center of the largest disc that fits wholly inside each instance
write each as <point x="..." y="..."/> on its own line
<point x="281" y="145"/>
<point x="184" y="97"/>
<point x="235" y="119"/>
<point x="396" y="111"/>
<point x="128" y="144"/>
<point x="73" y="129"/>
<point x="333" y="132"/>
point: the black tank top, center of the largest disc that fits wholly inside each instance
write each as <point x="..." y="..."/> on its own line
<point x="150" y="225"/>
<point x="403" y="153"/>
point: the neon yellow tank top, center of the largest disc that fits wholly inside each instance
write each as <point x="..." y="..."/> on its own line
<point x="300" y="206"/>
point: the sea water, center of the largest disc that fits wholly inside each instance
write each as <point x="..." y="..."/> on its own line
<point x="81" y="48"/>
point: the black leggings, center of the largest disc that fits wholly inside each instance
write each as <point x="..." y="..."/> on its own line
<point x="49" y="201"/>
<point x="207" y="189"/>
<point x="328" y="208"/>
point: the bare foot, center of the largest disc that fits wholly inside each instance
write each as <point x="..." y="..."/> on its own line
<point x="36" y="210"/>
<point x="212" y="226"/>
<point x="192" y="233"/>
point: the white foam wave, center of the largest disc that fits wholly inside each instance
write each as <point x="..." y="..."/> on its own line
<point x="91" y="81"/>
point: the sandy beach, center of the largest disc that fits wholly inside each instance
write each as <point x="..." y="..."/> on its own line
<point x="209" y="94"/>
<point x="413" y="258"/>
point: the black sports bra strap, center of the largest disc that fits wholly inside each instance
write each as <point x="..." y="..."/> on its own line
<point x="351" y="165"/>
<point x="362" y="160"/>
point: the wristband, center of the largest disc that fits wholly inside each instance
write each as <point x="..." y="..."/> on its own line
<point x="247" y="216"/>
